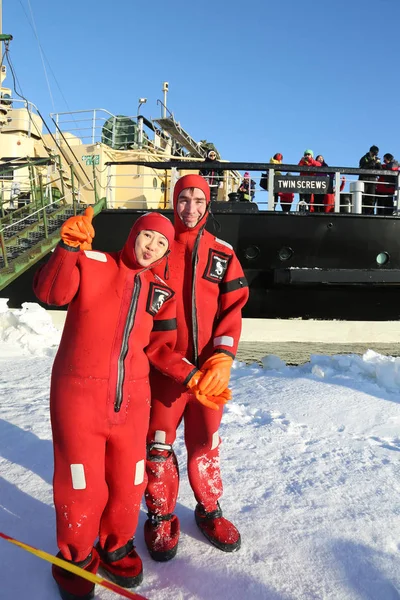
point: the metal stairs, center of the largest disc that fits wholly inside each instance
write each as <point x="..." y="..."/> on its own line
<point x="28" y="234"/>
<point x="174" y="129"/>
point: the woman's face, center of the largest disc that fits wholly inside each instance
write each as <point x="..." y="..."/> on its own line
<point x="320" y="158"/>
<point x="150" y="246"/>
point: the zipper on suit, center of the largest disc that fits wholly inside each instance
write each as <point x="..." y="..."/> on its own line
<point x="195" y="329"/>
<point x="125" y="340"/>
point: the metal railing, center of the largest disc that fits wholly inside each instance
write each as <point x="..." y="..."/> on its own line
<point x="98" y="125"/>
<point x="153" y="189"/>
<point x="18" y="104"/>
<point x="36" y="202"/>
<point x="346" y="191"/>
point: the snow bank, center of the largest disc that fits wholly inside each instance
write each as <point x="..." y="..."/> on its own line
<point x="373" y="368"/>
<point x="30" y="329"/>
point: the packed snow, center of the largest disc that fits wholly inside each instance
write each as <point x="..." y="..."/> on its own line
<point x="310" y="463"/>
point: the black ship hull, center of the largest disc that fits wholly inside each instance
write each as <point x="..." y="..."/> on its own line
<point x="323" y="266"/>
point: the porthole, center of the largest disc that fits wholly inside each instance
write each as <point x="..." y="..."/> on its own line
<point x="382" y="258"/>
<point x="252" y="252"/>
<point x="285" y="253"/>
<point x="155" y="183"/>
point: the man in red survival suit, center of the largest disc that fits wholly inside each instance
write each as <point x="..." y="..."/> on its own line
<point x="120" y="316"/>
<point x="211" y="290"/>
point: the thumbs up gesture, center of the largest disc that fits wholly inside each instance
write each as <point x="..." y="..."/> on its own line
<point x="79" y="231"/>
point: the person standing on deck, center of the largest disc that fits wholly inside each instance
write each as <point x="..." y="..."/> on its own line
<point x="386" y="186"/>
<point x="307" y="160"/>
<point x="214" y="176"/>
<point x="211" y="291"/>
<point x="370" y="160"/>
<point x="247" y="188"/>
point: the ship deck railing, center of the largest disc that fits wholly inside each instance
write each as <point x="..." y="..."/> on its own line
<point x="31" y="125"/>
<point x="90" y="127"/>
<point x="349" y="200"/>
<point x="31" y="219"/>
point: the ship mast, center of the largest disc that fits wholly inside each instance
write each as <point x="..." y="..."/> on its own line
<point x="3" y="38"/>
<point x="1" y="30"/>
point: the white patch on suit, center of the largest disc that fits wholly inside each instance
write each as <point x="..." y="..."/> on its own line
<point x="215" y="440"/>
<point x="78" y="477"/>
<point x="223" y="340"/>
<point x="139" y="472"/>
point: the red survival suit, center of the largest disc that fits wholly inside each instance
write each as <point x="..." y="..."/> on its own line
<point x="211" y="291"/>
<point x="100" y="397"/>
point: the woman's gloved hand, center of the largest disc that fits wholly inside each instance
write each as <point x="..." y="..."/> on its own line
<point x="79" y="231"/>
<point x="217" y="370"/>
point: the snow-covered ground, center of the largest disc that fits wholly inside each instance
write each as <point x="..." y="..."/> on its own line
<point x="311" y="468"/>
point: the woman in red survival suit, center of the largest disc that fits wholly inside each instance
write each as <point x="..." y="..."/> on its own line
<point x="120" y="316"/>
<point x="211" y="291"/>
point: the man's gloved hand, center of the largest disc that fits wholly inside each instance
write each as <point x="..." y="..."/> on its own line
<point x="217" y="370"/>
<point x="79" y="231"/>
<point x="194" y="380"/>
<point x="213" y="402"/>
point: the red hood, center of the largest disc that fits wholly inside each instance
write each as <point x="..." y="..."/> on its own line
<point x="151" y="221"/>
<point x="190" y="181"/>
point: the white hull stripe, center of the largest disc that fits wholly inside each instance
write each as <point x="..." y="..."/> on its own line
<point x="96" y="255"/>
<point x="215" y="440"/>
<point x="78" y="477"/>
<point x="139" y="472"/>
<point x="224" y="340"/>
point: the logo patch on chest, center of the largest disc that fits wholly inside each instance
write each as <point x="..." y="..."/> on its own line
<point x="158" y="295"/>
<point x="217" y="265"/>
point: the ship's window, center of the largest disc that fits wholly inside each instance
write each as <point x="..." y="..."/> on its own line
<point x="7" y="173"/>
<point x="252" y="252"/>
<point x="285" y="253"/>
<point x="155" y="183"/>
<point x="162" y="187"/>
<point x="382" y="258"/>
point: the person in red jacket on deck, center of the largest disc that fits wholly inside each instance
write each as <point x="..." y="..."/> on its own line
<point x="308" y="161"/>
<point x="386" y="186"/>
<point x="326" y="202"/>
<point x="120" y="316"/>
<point x="211" y="291"/>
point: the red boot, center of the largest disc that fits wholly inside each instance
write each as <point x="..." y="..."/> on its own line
<point x="123" y="566"/>
<point x="218" y="530"/>
<point x="161" y="534"/>
<point x="73" y="587"/>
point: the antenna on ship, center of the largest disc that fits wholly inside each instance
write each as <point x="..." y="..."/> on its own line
<point x="5" y="93"/>
<point x="1" y="30"/>
<point x="165" y="86"/>
<point x="4" y="37"/>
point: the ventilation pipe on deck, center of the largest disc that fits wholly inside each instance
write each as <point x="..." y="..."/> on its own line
<point x="357" y="189"/>
<point x="165" y="91"/>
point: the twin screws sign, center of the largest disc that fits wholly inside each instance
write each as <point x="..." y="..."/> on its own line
<point x="302" y="185"/>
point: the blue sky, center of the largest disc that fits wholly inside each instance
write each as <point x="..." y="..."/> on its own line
<point x="254" y="77"/>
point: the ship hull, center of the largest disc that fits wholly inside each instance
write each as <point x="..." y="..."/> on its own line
<point x="297" y="265"/>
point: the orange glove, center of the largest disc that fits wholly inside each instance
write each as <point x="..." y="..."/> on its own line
<point x="213" y="402"/>
<point x="194" y="380"/>
<point x="79" y="231"/>
<point x="217" y="372"/>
